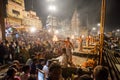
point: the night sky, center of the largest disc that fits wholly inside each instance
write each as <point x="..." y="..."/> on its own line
<point x="87" y="9"/>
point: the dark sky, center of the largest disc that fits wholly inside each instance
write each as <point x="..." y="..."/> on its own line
<point x="113" y="14"/>
<point x="88" y="9"/>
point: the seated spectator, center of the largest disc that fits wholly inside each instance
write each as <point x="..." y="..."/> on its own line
<point x="26" y="72"/>
<point x="41" y="64"/>
<point x="33" y="67"/>
<point x="17" y="63"/>
<point x="15" y="66"/>
<point x="29" y="62"/>
<point x="11" y="75"/>
<point x="32" y="77"/>
<point x="85" y="77"/>
<point x="100" y="73"/>
<point x="79" y="73"/>
<point x="55" y="72"/>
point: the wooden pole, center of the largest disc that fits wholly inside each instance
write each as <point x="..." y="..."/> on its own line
<point x="102" y="24"/>
<point x="2" y="23"/>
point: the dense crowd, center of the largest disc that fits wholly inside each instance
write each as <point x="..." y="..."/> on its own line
<point x="30" y="54"/>
<point x="52" y="70"/>
<point x="27" y="46"/>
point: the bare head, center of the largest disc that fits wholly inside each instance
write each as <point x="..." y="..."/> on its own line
<point x="68" y="38"/>
<point x="100" y="73"/>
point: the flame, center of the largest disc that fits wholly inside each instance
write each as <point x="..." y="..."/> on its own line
<point x="55" y="38"/>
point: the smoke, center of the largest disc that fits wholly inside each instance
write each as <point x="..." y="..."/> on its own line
<point x="87" y="10"/>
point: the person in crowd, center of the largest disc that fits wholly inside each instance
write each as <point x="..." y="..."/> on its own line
<point x="64" y="61"/>
<point x="30" y="50"/>
<point x="55" y="72"/>
<point x="2" y="53"/>
<point x="32" y="77"/>
<point x="12" y="50"/>
<point x="79" y="73"/>
<point x="80" y="40"/>
<point x="85" y="77"/>
<point x="87" y="41"/>
<point x="41" y="64"/>
<point x="14" y="66"/>
<point x="33" y="66"/>
<point x="69" y="46"/>
<point x="6" y="52"/>
<point x="48" y="46"/>
<point x="26" y="72"/>
<point x="24" y="54"/>
<point x="11" y="75"/>
<point x="100" y="73"/>
<point x="46" y="68"/>
<point x="17" y="49"/>
<point x="17" y="63"/>
<point x="29" y="62"/>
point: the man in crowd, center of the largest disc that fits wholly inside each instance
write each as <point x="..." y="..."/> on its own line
<point x="55" y="72"/>
<point x="69" y="46"/>
<point x="100" y="73"/>
<point x="80" y="43"/>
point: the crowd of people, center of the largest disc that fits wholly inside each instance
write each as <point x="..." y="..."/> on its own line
<point x="29" y="54"/>
<point x="27" y="46"/>
<point x="52" y="70"/>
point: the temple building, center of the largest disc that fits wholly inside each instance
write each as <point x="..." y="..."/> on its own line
<point x="75" y="23"/>
<point x="79" y="25"/>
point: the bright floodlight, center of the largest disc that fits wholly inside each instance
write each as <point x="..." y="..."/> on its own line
<point x="52" y="8"/>
<point x="49" y="30"/>
<point x="83" y="36"/>
<point x="72" y="37"/>
<point x="98" y="24"/>
<point x="56" y="32"/>
<point x="93" y="28"/>
<point x="50" y="0"/>
<point x="118" y="30"/>
<point x="55" y="38"/>
<point x="32" y="29"/>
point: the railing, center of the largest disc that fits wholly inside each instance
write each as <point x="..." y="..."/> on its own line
<point x="110" y="60"/>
